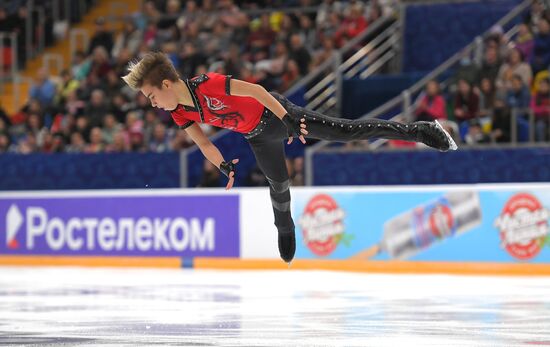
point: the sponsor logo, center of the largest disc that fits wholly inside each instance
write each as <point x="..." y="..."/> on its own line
<point x="322" y="224"/>
<point x="38" y="228"/>
<point x="523" y="226"/>
<point x="14" y="219"/>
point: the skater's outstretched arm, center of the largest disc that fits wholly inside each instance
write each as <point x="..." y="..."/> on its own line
<point x="256" y="91"/>
<point x="212" y="153"/>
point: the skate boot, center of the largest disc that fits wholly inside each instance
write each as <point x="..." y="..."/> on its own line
<point x="287" y="245"/>
<point x="433" y="135"/>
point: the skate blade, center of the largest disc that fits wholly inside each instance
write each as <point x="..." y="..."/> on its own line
<point x="452" y="143"/>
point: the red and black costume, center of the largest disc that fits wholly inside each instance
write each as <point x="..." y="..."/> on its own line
<point x="214" y="104"/>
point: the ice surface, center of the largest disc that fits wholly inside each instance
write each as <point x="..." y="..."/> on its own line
<point x="153" y="307"/>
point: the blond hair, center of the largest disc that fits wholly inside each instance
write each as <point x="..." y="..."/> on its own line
<point x="152" y="69"/>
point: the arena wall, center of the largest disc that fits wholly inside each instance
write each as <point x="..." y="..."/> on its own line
<point x="474" y="229"/>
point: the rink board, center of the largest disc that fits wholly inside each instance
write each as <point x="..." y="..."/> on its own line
<point x="483" y="229"/>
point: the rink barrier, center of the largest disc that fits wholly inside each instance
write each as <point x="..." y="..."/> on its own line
<point x="500" y="229"/>
<point x="371" y="266"/>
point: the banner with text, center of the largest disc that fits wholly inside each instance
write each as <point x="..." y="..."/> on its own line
<point x="497" y="224"/>
<point x="185" y="226"/>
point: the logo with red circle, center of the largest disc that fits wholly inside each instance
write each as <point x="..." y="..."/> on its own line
<point x="441" y="221"/>
<point x="322" y="224"/>
<point x="523" y="226"/>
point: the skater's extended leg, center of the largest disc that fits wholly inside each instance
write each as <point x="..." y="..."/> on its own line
<point x="323" y="127"/>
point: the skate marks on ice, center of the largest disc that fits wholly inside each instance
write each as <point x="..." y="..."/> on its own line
<point x="128" y="307"/>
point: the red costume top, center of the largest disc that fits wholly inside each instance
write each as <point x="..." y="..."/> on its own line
<point x="214" y="105"/>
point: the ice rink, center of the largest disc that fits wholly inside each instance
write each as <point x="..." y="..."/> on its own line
<point x="154" y="307"/>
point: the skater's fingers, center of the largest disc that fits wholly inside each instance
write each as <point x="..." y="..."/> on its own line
<point x="289" y="140"/>
<point x="302" y="139"/>
<point x="231" y="180"/>
<point x="235" y="161"/>
<point x="303" y="125"/>
<point x="303" y="120"/>
<point x="304" y="131"/>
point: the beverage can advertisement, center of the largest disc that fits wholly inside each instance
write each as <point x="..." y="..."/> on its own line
<point x="456" y="224"/>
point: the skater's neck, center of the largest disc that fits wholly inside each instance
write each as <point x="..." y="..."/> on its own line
<point x="184" y="94"/>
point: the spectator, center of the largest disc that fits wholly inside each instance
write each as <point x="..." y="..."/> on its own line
<point x="534" y="15"/>
<point x="233" y="61"/>
<point x="44" y="89"/>
<point x="490" y="66"/>
<point x="466" y="104"/>
<point x="261" y="38"/>
<point x="352" y="25"/>
<point x="326" y="51"/>
<point x="290" y="75"/>
<point x="299" y="54"/>
<point x="540" y="105"/>
<point x="77" y="144"/>
<point x="525" y="42"/>
<point x="120" y="143"/>
<point x="149" y="122"/>
<point x="5" y="143"/>
<point x="518" y="95"/>
<point x="96" y="144"/>
<point x="130" y="38"/>
<point x="475" y="133"/>
<point x="68" y="84"/>
<point x="81" y="66"/>
<point x="514" y="66"/>
<point x="160" y="141"/>
<point x="307" y="32"/>
<point x="431" y="105"/>
<point x="102" y="37"/>
<point x="487" y="95"/>
<point x="82" y="125"/>
<point x="73" y="105"/>
<point x="97" y="108"/>
<point x="100" y="65"/>
<point x="467" y="70"/>
<point x="110" y="128"/>
<point x="189" y="59"/>
<point x="541" y="51"/>
<point x="35" y="127"/>
<point x="500" y="121"/>
<point x="28" y="144"/>
<point x="113" y="83"/>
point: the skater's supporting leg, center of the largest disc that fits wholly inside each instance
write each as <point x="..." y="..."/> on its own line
<point x="270" y="156"/>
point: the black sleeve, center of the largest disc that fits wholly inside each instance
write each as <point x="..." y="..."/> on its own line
<point x="228" y="84"/>
<point x="187" y="125"/>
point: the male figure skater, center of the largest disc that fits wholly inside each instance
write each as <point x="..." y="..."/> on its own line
<point x="265" y="119"/>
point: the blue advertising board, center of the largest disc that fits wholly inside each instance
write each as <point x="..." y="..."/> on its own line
<point x="498" y="223"/>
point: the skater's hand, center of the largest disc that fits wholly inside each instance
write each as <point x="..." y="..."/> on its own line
<point x="228" y="169"/>
<point x="296" y="130"/>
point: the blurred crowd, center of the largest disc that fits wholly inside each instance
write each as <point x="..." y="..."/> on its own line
<point x="513" y="76"/>
<point x="88" y="108"/>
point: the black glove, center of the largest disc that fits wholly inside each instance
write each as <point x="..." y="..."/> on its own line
<point x="292" y="126"/>
<point x="227" y="167"/>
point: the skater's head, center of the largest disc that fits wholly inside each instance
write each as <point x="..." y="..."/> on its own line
<point x="155" y="76"/>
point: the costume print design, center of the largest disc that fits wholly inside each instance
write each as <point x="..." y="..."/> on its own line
<point x="228" y="120"/>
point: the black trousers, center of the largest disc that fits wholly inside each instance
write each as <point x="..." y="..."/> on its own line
<point x="268" y="147"/>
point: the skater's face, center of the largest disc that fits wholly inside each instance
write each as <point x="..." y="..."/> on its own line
<point x="164" y="97"/>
